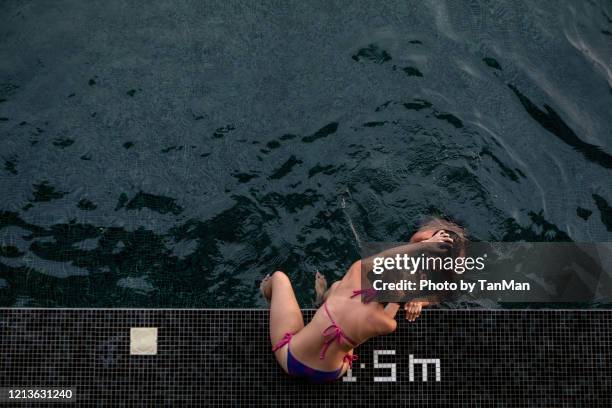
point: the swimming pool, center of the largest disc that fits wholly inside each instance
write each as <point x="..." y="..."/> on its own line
<point x="172" y="154"/>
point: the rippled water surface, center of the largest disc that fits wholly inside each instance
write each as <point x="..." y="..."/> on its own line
<point x="172" y="153"/>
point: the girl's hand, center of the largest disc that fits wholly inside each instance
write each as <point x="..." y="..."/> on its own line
<point x="413" y="310"/>
<point x="440" y="236"/>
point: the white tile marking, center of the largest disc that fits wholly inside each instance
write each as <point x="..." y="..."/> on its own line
<point x="424" y="362"/>
<point x="143" y="341"/>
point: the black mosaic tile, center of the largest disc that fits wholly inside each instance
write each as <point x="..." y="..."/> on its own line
<point x="222" y="358"/>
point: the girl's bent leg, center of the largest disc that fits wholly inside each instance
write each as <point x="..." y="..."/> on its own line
<point x="285" y="313"/>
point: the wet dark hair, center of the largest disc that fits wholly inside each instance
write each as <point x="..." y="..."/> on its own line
<point x="455" y="231"/>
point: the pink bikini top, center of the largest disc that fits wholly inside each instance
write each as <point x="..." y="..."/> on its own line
<point x="368" y="294"/>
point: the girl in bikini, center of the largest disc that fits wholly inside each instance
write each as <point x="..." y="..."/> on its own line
<point x="322" y="350"/>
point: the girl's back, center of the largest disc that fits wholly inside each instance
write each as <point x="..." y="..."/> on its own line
<point x="340" y="324"/>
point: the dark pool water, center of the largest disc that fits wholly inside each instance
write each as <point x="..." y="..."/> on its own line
<point x="172" y="153"/>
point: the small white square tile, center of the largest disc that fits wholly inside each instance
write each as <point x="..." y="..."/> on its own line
<point x="143" y="341"/>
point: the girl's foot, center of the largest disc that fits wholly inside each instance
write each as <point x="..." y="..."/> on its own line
<point x="266" y="287"/>
<point x="320" y="287"/>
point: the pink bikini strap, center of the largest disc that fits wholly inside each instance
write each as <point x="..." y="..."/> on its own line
<point x="368" y="294"/>
<point x="331" y="319"/>
<point x="285" y="340"/>
<point x="333" y="333"/>
<point x="350" y="358"/>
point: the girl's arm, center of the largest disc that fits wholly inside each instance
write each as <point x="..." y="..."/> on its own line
<point x="391" y="309"/>
<point x="386" y="322"/>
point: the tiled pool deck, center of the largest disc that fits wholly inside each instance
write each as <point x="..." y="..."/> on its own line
<point x="222" y="358"/>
